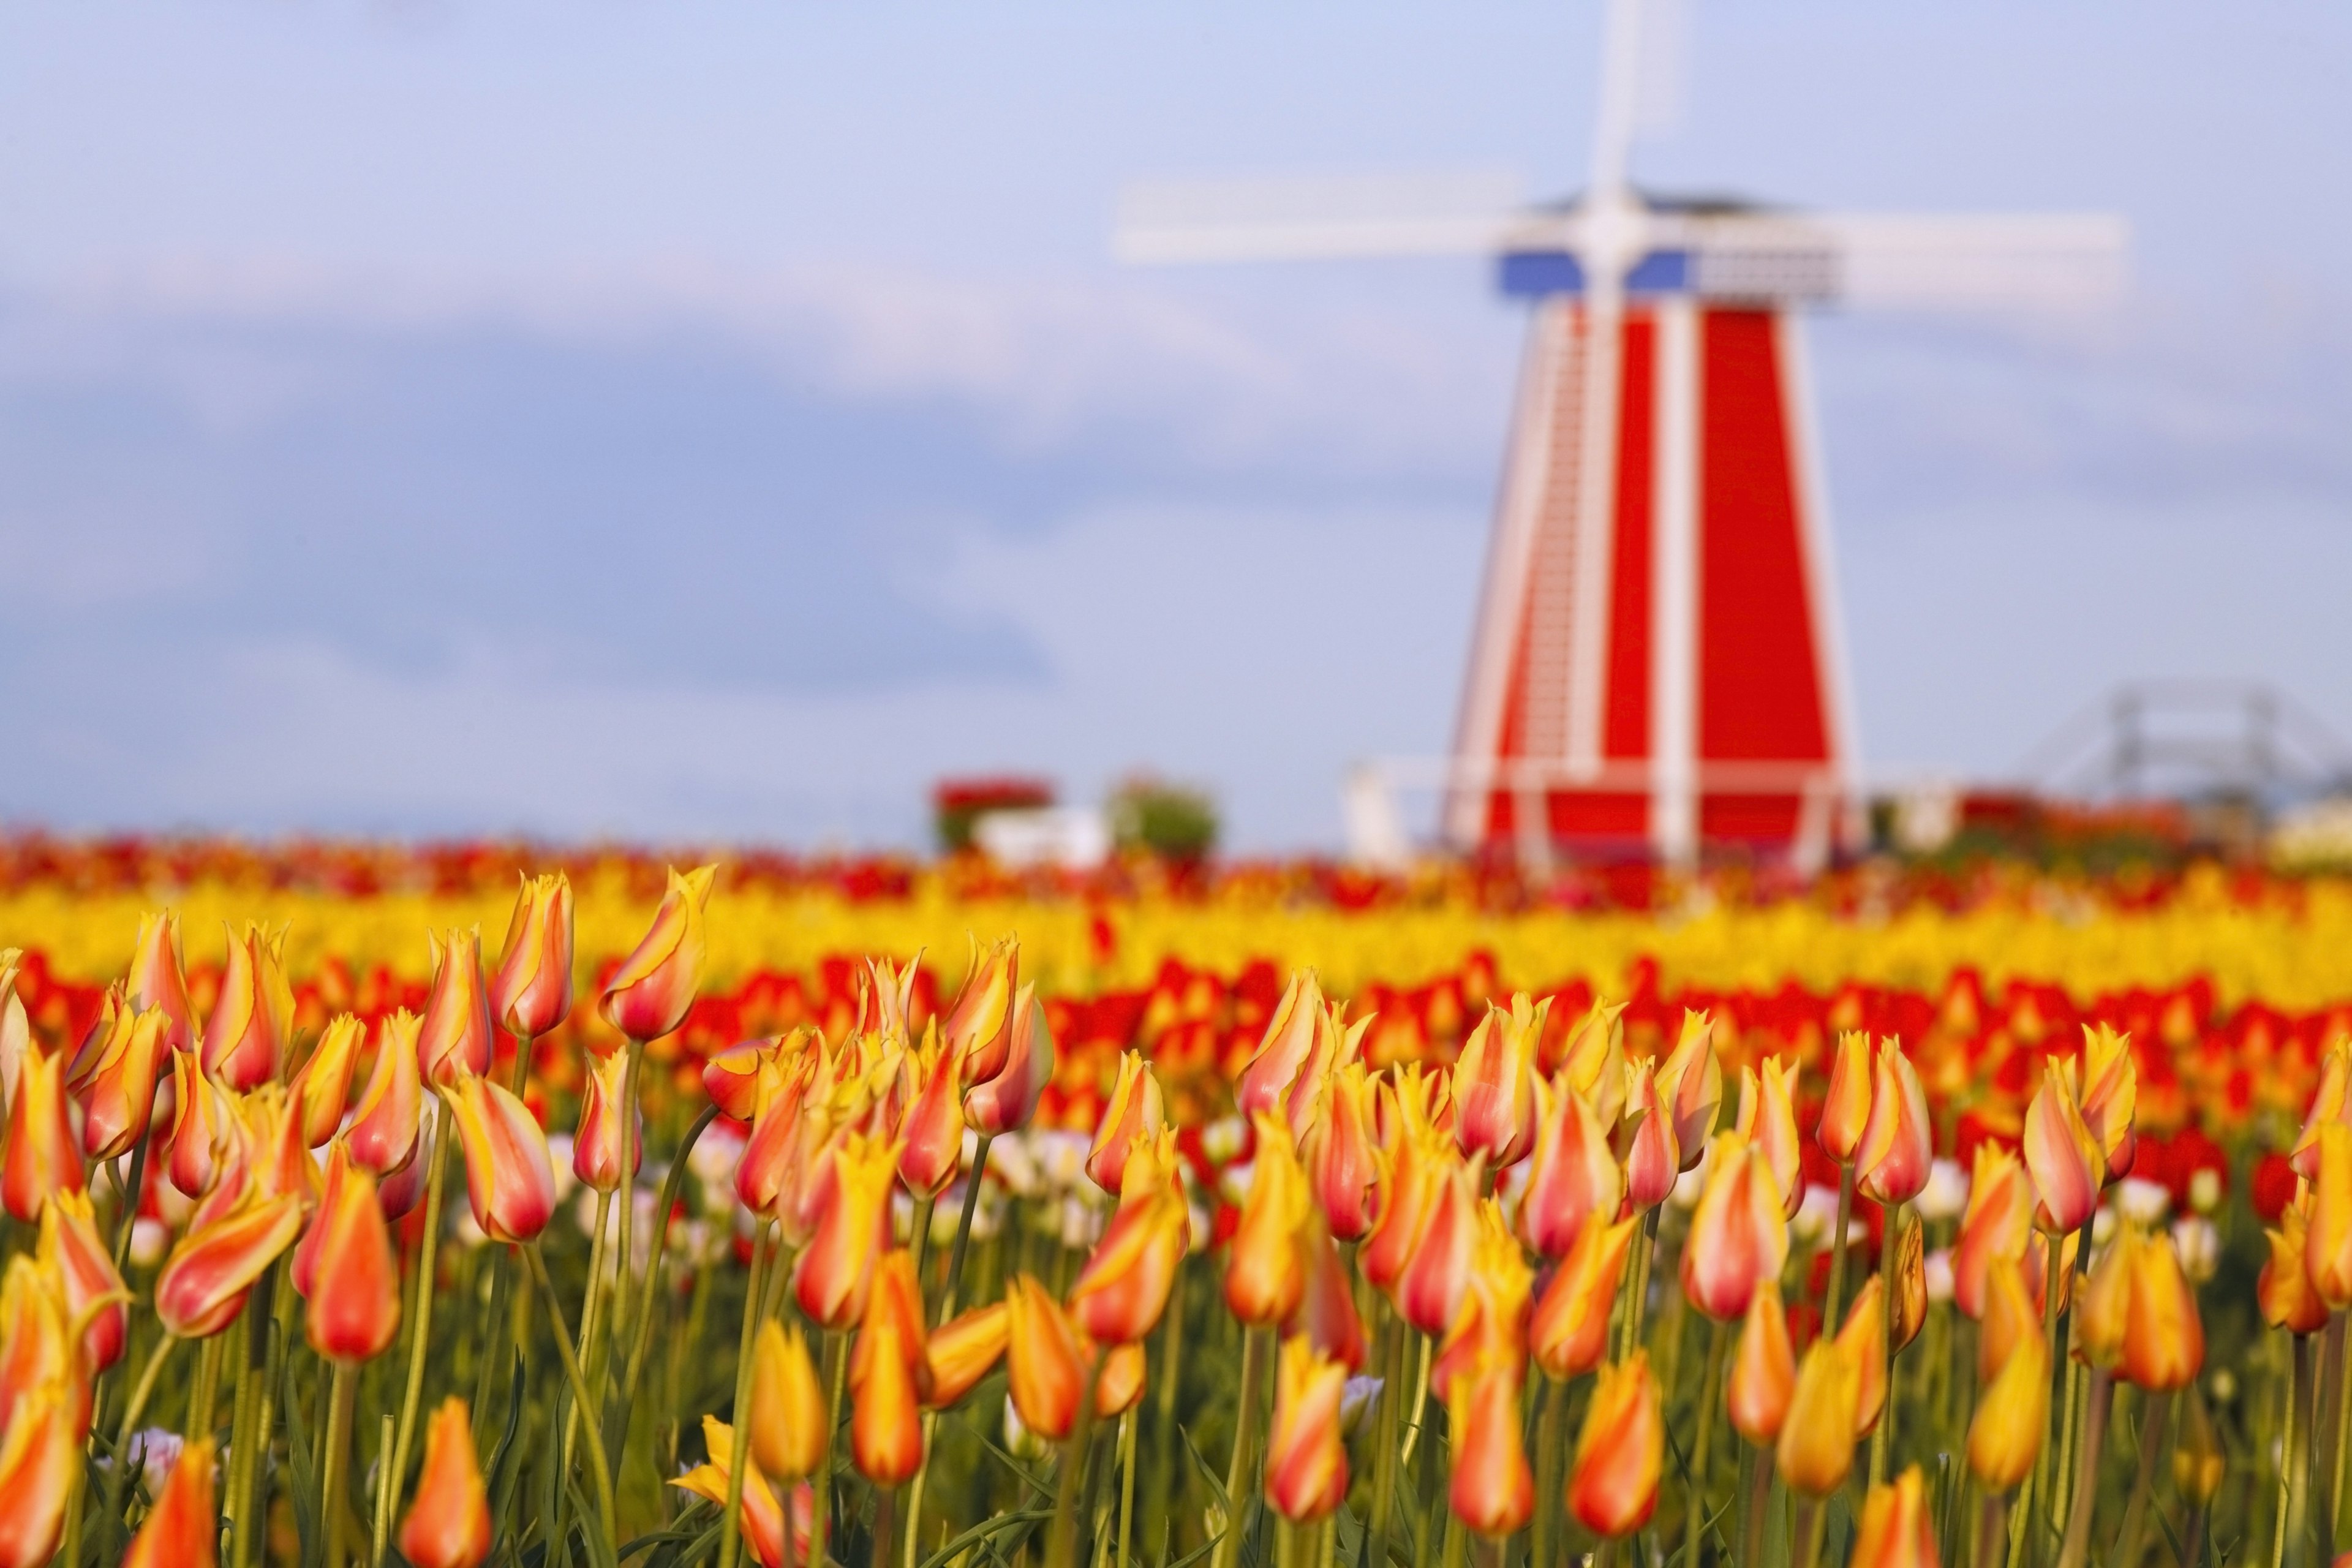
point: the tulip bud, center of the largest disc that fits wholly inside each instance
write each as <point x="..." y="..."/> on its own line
<point x="1306" y="1462"/>
<point x="980" y="1024"/>
<point x="1897" y="1530"/>
<point x="1265" y="1272"/>
<point x="1768" y="1116"/>
<point x="1285" y="1053"/>
<point x="1003" y="1101"/>
<point x="2009" y="1319"/>
<point x="2283" y="1290"/>
<point x="1569" y="1330"/>
<point x="1047" y="1377"/>
<point x="2199" y="1460"/>
<point x="885" y="1369"/>
<point x="509" y="1175"/>
<point x="1123" y="1290"/>
<point x="77" y="1258"/>
<point x="2110" y="1095"/>
<point x="1763" y="1368"/>
<point x="42" y="1156"/>
<point x="2005" y="1437"/>
<point x="1572" y="1178"/>
<point x="836" y="1270"/>
<point x="531" y="993"/>
<point x="354" y="1306"/>
<point x="1492" y="1489"/>
<point x="247" y="1030"/>
<point x="448" y="1524"/>
<point x="1845" y="1111"/>
<point x="2328" y="1103"/>
<point x="933" y="1128"/>
<point x="1862" y="1342"/>
<point x="760" y="1516"/>
<point x="596" y="1144"/>
<point x="649" y="993"/>
<point x="1891" y="1164"/>
<point x="1343" y="1158"/>
<point x="36" y="1346"/>
<point x="1429" y="1292"/>
<point x="202" y="1132"/>
<point x="383" y="1136"/>
<point x="2328" y="1246"/>
<point x="1652" y="1160"/>
<point x="156" y="983"/>
<point x="2102" y="1315"/>
<point x="1136" y="1110"/>
<point x="1119" y="1386"/>
<point x="323" y="1087"/>
<point x="39" y="1454"/>
<point x="205" y="1281"/>
<point x="1326" y="1314"/>
<point x="1613" y="1486"/>
<point x="1997" y="1223"/>
<point x="120" y="1097"/>
<point x="1493" y="1083"/>
<point x="2066" y="1161"/>
<point x="1415" y="1169"/>
<point x="182" y="1530"/>
<point x="1737" y="1233"/>
<point x="1593" y="1061"/>
<point x="732" y="1077"/>
<point x="1816" y="1448"/>
<point x="964" y="1351"/>
<point x="2164" y="1339"/>
<point x="1909" y="1312"/>
<point x="1690" y="1087"/>
<point x="455" y="1038"/>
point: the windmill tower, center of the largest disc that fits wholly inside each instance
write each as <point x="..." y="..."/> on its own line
<point x="1657" y="667"/>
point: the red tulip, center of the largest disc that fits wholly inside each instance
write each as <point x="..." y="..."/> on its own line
<point x="510" y="1176"/>
<point x="596" y="1143"/>
<point x="1492" y="1489"/>
<point x="156" y="984"/>
<point x="1690" y="1087"/>
<point x="246" y="1035"/>
<point x="1300" y="1026"/>
<point x="1612" y="1486"/>
<point x="649" y="993"/>
<point x="1573" y="1179"/>
<point x="980" y="1024"/>
<point x="42" y="1157"/>
<point x="933" y="1128"/>
<point x="182" y="1530"/>
<point x="1137" y="1110"/>
<point x="1003" y="1101"/>
<point x="1306" y="1461"/>
<point x="1265" y="1268"/>
<point x="383" y="1136"/>
<point x="1569" y="1330"/>
<point x="1897" y="1149"/>
<point x="1123" y="1290"/>
<point x="1768" y="1115"/>
<point x="120" y="1097"/>
<point x="1652" y="1159"/>
<point x="836" y="1270"/>
<point x="1847" y="1111"/>
<point x="1343" y="1156"/>
<point x="354" y="1294"/>
<point x="2068" y="1166"/>
<point x="205" y="1281"/>
<point x="1047" y="1375"/>
<point x="886" y="1372"/>
<point x="448" y="1524"/>
<point x="1494" y="1084"/>
<point x="75" y="1255"/>
<point x="455" y="1038"/>
<point x="39" y="1454"/>
<point x="323" y="1087"/>
<point x="1738" y="1236"/>
<point x="531" y="992"/>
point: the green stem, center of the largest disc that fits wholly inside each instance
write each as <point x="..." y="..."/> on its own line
<point x="341" y="1401"/>
<point x="1551" y="1423"/>
<point x="1384" y="1442"/>
<point x="600" y="1471"/>
<point x="2022" y="1545"/>
<point x="1992" y="1529"/>
<point x="951" y="1298"/>
<point x="128" y="1218"/>
<point x="1882" y="1438"/>
<point x="250" y="1442"/>
<point x="617" y="1420"/>
<point x="2076" y="1548"/>
<point x="729" y="1521"/>
<point x="1637" y="1304"/>
<point x="1241" y="1472"/>
<point x="2295" y="1503"/>
<point x="1126" y="1484"/>
<point x="1062" y="1540"/>
<point x="420" y="1336"/>
<point x="1718" y="1339"/>
<point x="521" y="1065"/>
<point x="836" y="1369"/>
<point x="139" y="1394"/>
<point x="1835" y="1299"/>
<point x="1420" y="1401"/>
<point x="2156" y="1410"/>
<point x="626" y="1109"/>
<point x="387" y="1486"/>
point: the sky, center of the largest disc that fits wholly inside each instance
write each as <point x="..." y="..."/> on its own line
<point x="597" y="419"/>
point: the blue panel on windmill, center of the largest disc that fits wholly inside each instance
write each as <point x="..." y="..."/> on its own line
<point x="1661" y="272"/>
<point x="1532" y="274"/>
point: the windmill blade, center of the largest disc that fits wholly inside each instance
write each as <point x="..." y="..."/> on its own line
<point x="2061" y="262"/>
<point x="1282" y="219"/>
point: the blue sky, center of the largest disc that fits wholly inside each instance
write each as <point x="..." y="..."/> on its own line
<point x="722" y="420"/>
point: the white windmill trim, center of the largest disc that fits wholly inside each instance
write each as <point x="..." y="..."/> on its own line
<point x="1674" y="586"/>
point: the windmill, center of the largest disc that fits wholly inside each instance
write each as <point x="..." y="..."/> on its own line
<point x="1657" y="667"/>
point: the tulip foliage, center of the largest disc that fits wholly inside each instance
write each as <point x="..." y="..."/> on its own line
<point x="605" y="1248"/>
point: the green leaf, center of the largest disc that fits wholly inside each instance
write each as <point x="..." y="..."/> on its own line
<point x="987" y="1529"/>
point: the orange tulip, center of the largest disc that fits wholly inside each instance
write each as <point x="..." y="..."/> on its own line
<point x="2009" y="1318"/>
<point x="1285" y="1053"/>
<point x="836" y="1271"/>
<point x="1306" y="1461"/>
<point x="732" y="1077"/>
<point x="384" y="1124"/>
<point x="1897" y="1530"/>
<point x="2005" y="1437"/>
<point x="1002" y="1101"/>
<point x="1593" y="1061"/>
<point x="1493" y="1083"/>
<point x="1326" y="1314"/>
<point x="1343" y="1156"/>
<point x="649" y="993"/>
<point x="509" y="1175"/>
<point x="2067" y="1164"/>
<point x="202" y="1129"/>
<point x="1909" y="1313"/>
<point x="76" y="1257"/>
<point x="2283" y="1290"/>
<point x="1137" y="1110"/>
<point x="2164" y="1339"/>
<point x="886" y="1373"/>
<point x="2327" y="1244"/>
<point x="1845" y="1111"/>
<point x="2110" y="1095"/>
<point x="2103" y="1314"/>
<point x="962" y="1351"/>
<point x="2198" y="1461"/>
<point x="788" y="1411"/>
<point x="1265" y="1271"/>
<point x="1763" y="1368"/>
<point x="1119" y="1386"/>
<point x="354" y="1306"/>
<point x="1570" y="1329"/>
<point x="1737" y="1236"/>
<point x="933" y="1128"/>
<point x="1123" y="1290"/>
<point x="1492" y="1489"/>
<point x="596" y="1143"/>
<point x="760" y="1516"/>
<point x="1768" y="1115"/>
<point x="1862" y="1342"/>
<point x="1997" y="1223"/>
<point x="980" y="1023"/>
<point x="1573" y="1178"/>
<point x="39" y="1455"/>
<point x="42" y="1156"/>
<point x="1690" y="1087"/>
<point x="454" y="1037"/>
<point x="323" y="1086"/>
<point x="1891" y="1164"/>
<point x="1042" y="1358"/>
<point x="448" y="1523"/>
<point x="1652" y="1159"/>
<point x="36" y="1348"/>
<point x="1612" y="1486"/>
<point x="182" y="1530"/>
<point x="1434" y="1280"/>
<point x="1415" y="1169"/>
<point x="1492" y="1321"/>
<point x="156" y="981"/>
<point x="120" y="1099"/>
<point x="205" y="1281"/>
<point x="1816" y="1448"/>
<point x="531" y="992"/>
<point x="247" y="1033"/>
<point x="2328" y="1103"/>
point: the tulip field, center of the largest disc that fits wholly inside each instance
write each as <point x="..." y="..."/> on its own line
<point x="483" y="1204"/>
